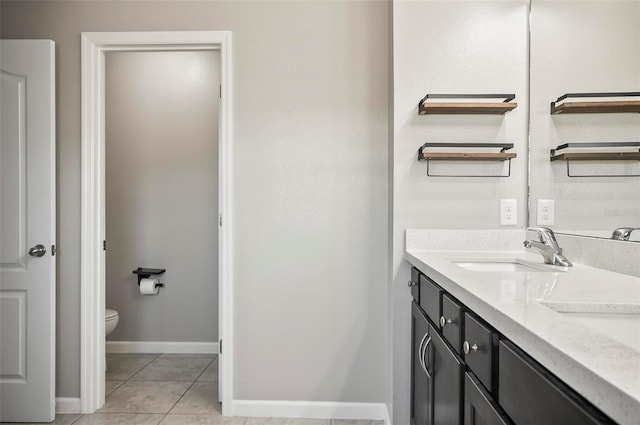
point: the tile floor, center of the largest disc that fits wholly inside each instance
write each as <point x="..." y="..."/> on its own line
<point x="170" y="389"/>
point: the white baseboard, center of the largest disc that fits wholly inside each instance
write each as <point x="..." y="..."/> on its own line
<point x="310" y="409"/>
<point x="162" y="347"/>
<point x="67" y="405"/>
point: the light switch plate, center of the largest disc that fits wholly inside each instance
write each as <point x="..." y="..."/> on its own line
<point x="546" y="212"/>
<point x="508" y="212"/>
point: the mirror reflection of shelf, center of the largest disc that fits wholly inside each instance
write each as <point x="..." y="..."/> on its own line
<point x="600" y="155"/>
<point x="434" y="155"/>
<point x="467" y="104"/>
<point x="616" y="102"/>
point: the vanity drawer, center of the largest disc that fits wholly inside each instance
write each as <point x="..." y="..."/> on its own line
<point x="430" y="295"/>
<point x="530" y="394"/>
<point x="480" y="348"/>
<point x="451" y="321"/>
<point x="414" y="284"/>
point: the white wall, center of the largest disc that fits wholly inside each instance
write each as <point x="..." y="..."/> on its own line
<point x="162" y="192"/>
<point x="577" y="47"/>
<point x="310" y="183"/>
<point x="451" y="47"/>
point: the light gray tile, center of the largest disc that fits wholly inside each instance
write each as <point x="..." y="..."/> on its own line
<point x="286" y="421"/>
<point x="132" y="354"/>
<point x="110" y="386"/>
<point x="172" y="369"/>
<point x="211" y="373"/>
<point x="145" y="397"/>
<point x="60" y="420"/>
<point x="201" y="399"/>
<point x="209" y="356"/>
<point x="180" y="419"/>
<point x="120" y="419"/>
<point x="355" y="422"/>
<point x="121" y="368"/>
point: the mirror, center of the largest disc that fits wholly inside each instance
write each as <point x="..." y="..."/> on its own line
<point x="584" y="47"/>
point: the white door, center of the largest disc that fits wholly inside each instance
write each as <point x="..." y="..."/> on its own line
<point x="27" y="231"/>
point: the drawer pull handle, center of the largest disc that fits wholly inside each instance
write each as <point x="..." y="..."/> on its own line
<point x="410" y="283"/>
<point x="443" y="321"/>
<point x="466" y="347"/>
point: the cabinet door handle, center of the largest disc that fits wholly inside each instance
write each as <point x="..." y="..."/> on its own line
<point x="466" y="347"/>
<point x="410" y="283"/>
<point x="444" y="322"/>
<point x="423" y="361"/>
<point x="420" y="358"/>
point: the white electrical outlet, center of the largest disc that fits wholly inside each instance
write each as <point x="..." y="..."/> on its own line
<point x="546" y="210"/>
<point x="508" y="212"/>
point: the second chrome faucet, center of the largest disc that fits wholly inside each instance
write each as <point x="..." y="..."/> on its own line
<point x="547" y="245"/>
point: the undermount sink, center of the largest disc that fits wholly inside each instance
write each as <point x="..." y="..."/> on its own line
<point x="620" y="322"/>
<point x="502" y="265"/>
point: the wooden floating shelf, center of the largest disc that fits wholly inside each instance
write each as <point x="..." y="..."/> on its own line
<point x="492" y="108"/>
<point x="597" y="156"/>
<point x="465" y="156"/>
<point x="473" y="106"/>
<point x="502" y="155"/>
<point x="595" y="107"/>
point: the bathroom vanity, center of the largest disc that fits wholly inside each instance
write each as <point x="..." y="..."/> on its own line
<point x="499" y="337"/>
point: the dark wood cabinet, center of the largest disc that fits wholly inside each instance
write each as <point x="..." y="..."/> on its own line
<point x="451" y="322"/>
<point x="421" y="384"/>
<point x="495" y="383"/>
<point x="430" y="295"/>
<point x="414" y="284"/>
<point x="531" y="395"/>
<point x="479" y="407"/>
<point x="447" y="369"/>
<point x="436" y="375"/>
<point x="480" y="350"/>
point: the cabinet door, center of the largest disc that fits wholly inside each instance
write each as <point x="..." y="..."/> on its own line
<point x="447" y="370"/>
<point x="479" y="407"/>
<point x="421" y="384"/>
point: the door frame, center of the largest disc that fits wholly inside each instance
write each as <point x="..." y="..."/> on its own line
<point x="92" y="256"/>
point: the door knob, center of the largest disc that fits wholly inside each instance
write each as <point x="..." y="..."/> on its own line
<point x="38" y="251"/>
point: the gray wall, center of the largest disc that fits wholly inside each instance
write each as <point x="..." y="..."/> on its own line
<point x="310" y="184"/>
<point x="451" y="47"/>
<point x="162" y="192"/>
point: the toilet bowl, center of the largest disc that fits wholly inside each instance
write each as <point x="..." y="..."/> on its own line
<point x="111" y="321"/>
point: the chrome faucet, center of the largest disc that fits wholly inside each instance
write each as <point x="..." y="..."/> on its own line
<point x="548" y="246"/>
<point x="623" y="233"/>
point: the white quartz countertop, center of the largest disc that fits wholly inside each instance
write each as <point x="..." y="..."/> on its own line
<point x="597" y="355"/>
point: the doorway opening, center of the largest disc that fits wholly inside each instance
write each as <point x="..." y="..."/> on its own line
<point x="95" y="46"/>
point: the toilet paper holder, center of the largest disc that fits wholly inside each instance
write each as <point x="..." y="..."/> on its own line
<point x="144" y="273"/>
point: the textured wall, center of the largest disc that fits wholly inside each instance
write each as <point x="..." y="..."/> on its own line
<point x="310" y="184"/>
<point x="451" y="47"/>
<point x="162" y="192"/>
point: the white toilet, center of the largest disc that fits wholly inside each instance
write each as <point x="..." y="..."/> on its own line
<point x="111" y="321"/>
